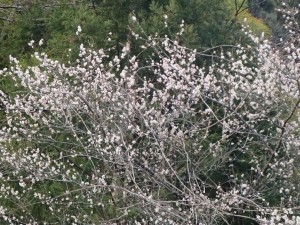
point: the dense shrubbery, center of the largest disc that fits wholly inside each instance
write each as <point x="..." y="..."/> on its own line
<point x="208" y="23"/>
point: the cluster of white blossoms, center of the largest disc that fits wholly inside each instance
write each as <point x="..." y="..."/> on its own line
<point x="169" y="140"/>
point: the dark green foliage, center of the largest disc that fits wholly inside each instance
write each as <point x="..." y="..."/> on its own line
<point x="207" y="23"/>
<point x="257" y="6"/>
